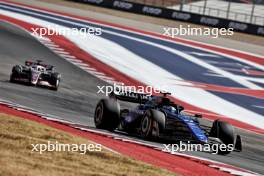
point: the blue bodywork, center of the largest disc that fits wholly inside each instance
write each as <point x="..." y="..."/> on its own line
<point x="194" y="128"/>
<point x="177" y="123"/>
<point x="190" y="123"/>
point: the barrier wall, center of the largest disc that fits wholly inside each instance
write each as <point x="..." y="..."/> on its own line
<point x="177" y="15"/>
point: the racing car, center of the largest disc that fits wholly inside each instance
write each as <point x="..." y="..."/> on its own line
<point x="158" y="117"/>
<point x="36" y="73"/>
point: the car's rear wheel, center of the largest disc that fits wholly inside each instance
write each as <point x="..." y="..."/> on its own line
<point x="225" y="132"/>
<point x="107" y="114"/>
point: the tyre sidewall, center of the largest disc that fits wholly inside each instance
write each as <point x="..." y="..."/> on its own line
<point x="225" y="132"/>
<point x="146" y="125"/>
<point x="109" y="114"/>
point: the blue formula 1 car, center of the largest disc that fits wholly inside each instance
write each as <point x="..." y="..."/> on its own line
<point x="158" y="117"/>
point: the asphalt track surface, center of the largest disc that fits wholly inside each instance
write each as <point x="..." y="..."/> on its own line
<point x="77" y="96"/>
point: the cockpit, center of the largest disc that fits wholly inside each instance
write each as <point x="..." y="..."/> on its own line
<point x="38" y="68"/>
<point x="166" y="104"/>
<point x="171" y="109"/>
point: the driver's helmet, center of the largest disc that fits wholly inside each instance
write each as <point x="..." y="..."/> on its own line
<point x="170" y="109"/>
<point x="38" y="68"/>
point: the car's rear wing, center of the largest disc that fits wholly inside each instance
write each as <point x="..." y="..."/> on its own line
<point x="132" y="97"/>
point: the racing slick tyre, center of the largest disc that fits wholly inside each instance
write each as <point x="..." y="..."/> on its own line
<point x="55" y="81"/>
<point x="151" y="123"/>
<point x="16" y="70"/>
<point x="107" y="114"/>
<point x="12" y="78"/>
<point x="225" y="132"/>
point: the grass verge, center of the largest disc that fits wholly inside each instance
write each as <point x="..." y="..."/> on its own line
<point x="17" y="158"/>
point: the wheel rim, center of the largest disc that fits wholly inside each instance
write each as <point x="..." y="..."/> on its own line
<point x="145" y="124"/>
<point x="98" y="114"/>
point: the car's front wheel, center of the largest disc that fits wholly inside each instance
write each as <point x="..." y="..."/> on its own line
<point x="55" y="81"/>
<point x="12" y="78"/>
<point x="225" y="132"/>
<point x="16" y="70"/>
